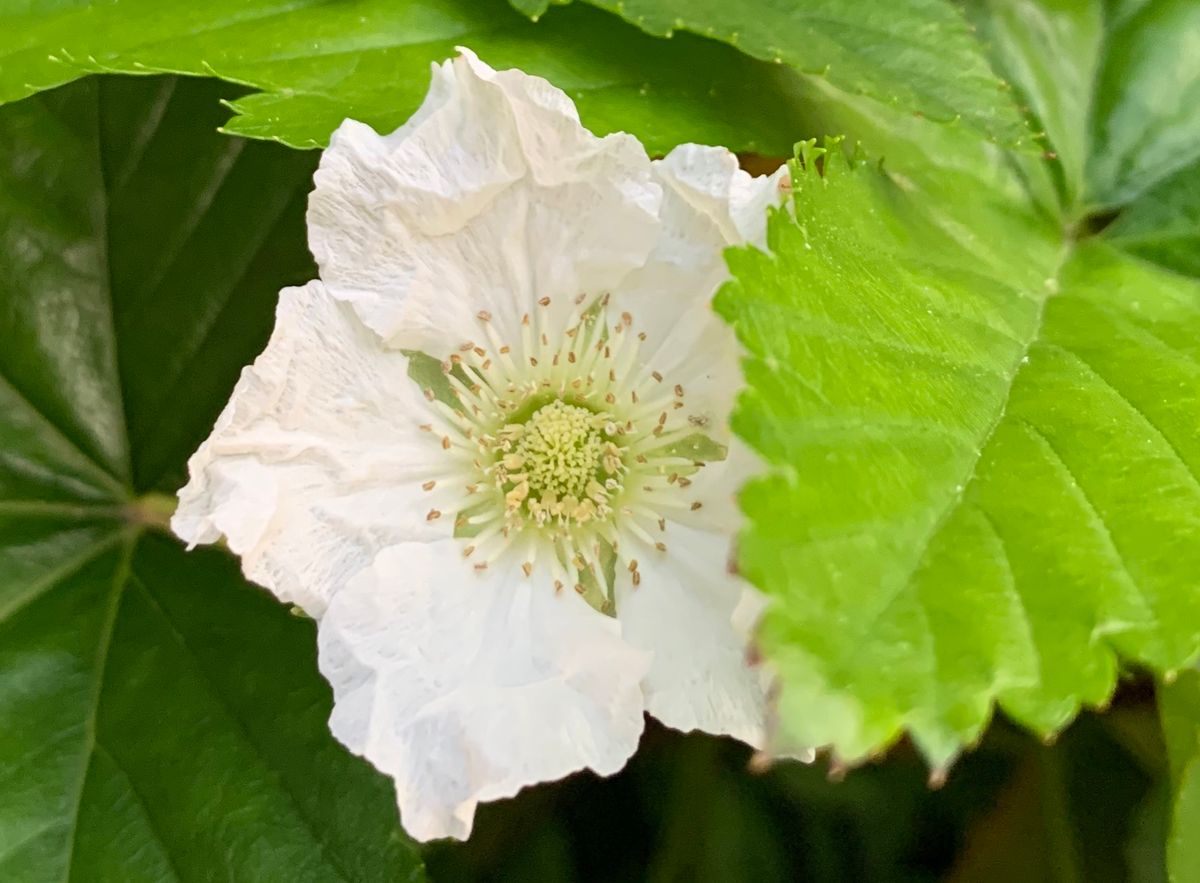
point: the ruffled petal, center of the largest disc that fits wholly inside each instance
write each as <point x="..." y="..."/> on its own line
<point x="316" y="462"/>
<point x="466" y="687"/>
<point x="491" y="198"/>
<point x="695" y="616"/>
<point x="709" y="204"/>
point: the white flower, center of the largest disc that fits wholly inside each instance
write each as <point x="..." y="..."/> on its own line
<point x="488" y="449"/>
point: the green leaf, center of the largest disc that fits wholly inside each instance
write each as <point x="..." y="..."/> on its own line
<point x="916" y="54"/>
<point x="978" y="492"/>
<point x="160" y="719"/>
<point x="1114" y="85"/>
<point x="1179" y="703"/>
<point x="1163" y="225"/>
<point x="318" y="62"/>
<point x="1051" y="50"/>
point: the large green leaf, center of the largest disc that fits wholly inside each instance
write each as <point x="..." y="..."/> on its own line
<point x="1164" y="225"/>
<point x="159" y="718"/>
<point x="318" y="62"/>
<point x="1114" y="85"/>
<point x="1180" y="708"/>
<point x="983" y="462"/>
<point x="915" y="54"/>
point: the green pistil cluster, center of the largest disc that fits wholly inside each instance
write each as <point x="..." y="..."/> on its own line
<point x="559" y="465"/>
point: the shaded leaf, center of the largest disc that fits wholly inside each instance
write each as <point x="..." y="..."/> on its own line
<point x="318" y="62"/>
<point x="159" y="718"/>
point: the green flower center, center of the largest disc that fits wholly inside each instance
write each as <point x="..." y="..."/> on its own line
<point x="560" y="464"/>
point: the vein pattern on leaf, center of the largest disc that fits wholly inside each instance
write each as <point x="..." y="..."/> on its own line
<point x="1008" y="500"/>
<point x="318" y="62"/>
<point x="915" y="54"/>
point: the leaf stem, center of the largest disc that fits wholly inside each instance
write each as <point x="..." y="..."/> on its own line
<point x="152" y="511"/>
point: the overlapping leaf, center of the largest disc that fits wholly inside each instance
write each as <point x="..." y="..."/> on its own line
<point x="318" y="62"/>
<point x="1114" y="86"/>
<point x="1180" y="708"/>
<point x="983" y="481"/>
<point x="159" y="719"/>
<point x="915" y="54"/>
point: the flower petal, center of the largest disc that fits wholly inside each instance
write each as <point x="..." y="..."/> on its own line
<point x="709" y="204"/>
<point x="491" y="197"/>
<point x="466" y="687"/>
<point x="692" y="613"/>
<point x="316" y="462"/>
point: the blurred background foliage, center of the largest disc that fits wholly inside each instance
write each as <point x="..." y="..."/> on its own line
<point x="1090" y="808"/>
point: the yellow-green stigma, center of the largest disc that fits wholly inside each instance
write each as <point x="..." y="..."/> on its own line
<point x="560" y="464"/>
<point x="565" y="452"/>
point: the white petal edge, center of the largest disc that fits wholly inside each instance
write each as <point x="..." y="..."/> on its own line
<point x="316" y="462"/>
<point x="466" y="687"/>
<point x="709" y="204"/>
<point x="693" y="615"/>
<point x="491" y="198"/>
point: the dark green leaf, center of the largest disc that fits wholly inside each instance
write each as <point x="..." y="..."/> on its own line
<point x="1164" y="225"/>
<point x="915" y="54"/>
<point x="159" y="718"/>
<point x="1180" y="705"/>
<point x="318" y="62"/>
<point x="1114" y="86"/>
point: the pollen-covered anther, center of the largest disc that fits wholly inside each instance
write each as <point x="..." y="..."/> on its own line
<point x="563" y="458"/>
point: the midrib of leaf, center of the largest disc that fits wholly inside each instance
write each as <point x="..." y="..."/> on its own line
<point x="970" y="468"/>
<point x="243" y="731"/>
<point x="187" y="354"/>
<point x="67" y="448"/>
<point x="50" y="579"/>
<point x="98" y="749"/>
<point x="120" y="575"/>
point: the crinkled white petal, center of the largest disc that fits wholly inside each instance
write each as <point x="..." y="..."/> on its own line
<point x="709" y="204"/>
<point x="466" y="687"/>
<point x="491" y="198"/>
<point x="316" y="462"/>
<point x="693" y="614"/>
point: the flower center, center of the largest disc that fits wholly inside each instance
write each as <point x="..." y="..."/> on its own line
<point x="565" y="450"/>
<point x="559" y="464"/>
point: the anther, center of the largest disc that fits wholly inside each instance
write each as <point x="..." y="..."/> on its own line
<point x="545" y="301"/>
<point x="484" y="316"/>
<point x="445" y="442"/>
<point x="433" y="515"/>
<point x="656" y="376"/>
<point x="428" y="486"/>
<point x="662" y="547"/>
<point x="696" y="505"/>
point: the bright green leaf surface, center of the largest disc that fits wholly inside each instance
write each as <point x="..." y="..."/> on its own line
<point x="318" y="62"/>
<point x="159" y="718"/>
<point x="1114" y="85"/>
<point x="916" y="54"/>
<point x="983" y="466"/>
<point x="1180" y="708"/>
